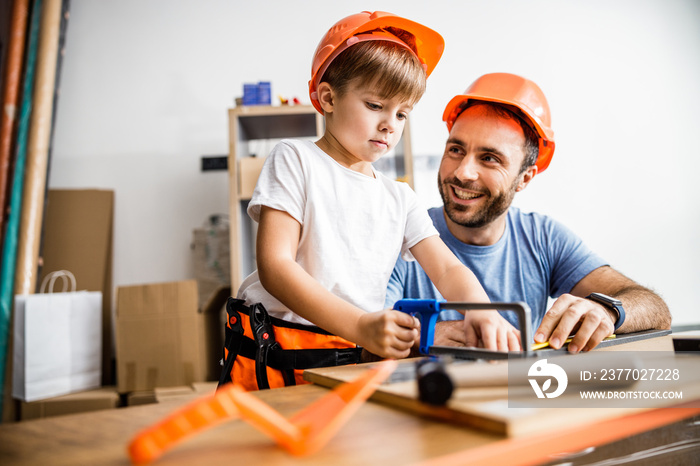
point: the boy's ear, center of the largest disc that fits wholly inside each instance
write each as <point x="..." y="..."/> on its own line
<point x="325" y="97"/>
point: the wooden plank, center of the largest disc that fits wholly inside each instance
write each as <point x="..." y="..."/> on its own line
<point x="487" y="407"/>
<point x="481" y="407"/>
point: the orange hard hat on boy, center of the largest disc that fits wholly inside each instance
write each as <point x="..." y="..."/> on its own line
<point x="514" y="91"/>
<point x="364" y="26"/>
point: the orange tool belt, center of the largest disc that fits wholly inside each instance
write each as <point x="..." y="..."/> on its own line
<point x="261" y="351"/>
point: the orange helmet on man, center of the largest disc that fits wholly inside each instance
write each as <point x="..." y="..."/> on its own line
<point x="365" y="26"/>
<point x="514" y="91"/>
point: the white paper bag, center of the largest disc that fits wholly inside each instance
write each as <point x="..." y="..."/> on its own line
<point x="57" y="341"/>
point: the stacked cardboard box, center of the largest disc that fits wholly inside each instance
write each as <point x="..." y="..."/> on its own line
<point x="92" y="400"/>
<point x="163" y="339"/>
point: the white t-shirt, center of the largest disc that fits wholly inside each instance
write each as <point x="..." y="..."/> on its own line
<point x="353" y="227"/>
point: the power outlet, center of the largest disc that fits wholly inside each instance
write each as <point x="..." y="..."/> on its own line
<point x="214" y="162"/>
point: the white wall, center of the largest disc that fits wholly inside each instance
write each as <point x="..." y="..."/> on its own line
<point x="146" y="85"/>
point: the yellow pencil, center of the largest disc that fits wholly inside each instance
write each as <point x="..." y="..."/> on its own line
<point x="545" y="344"/>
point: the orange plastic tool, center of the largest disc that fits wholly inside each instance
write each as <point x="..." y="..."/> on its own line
<point x="310" y="429"/>
<point x="306" y="432"/>
<point x="192" y="418"/>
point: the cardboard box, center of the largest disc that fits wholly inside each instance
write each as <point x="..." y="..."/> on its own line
<point x="173" y="393"/>
<point x="211" y="251"/>
<point x="78" y="238"/>
<point x="205" y="388"/>
<point x="161" y="394"/>
<point x="92" y="400"/>
<point x="162" y="338"/>
<point x="248" y="171"/>
<point x="145" y="397"/>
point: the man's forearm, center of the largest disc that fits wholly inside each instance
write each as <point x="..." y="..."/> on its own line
<point x="644" y="308"/>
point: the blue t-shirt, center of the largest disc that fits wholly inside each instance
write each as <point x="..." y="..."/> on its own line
<point x="536" y="258"/>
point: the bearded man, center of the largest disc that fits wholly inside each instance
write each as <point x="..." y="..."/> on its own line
<point x="500" y="139"/>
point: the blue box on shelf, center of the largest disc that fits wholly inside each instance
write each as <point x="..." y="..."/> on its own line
<point x="257" y="94"/>
<point x="264" y="93"/>
<point x="250" y="94"/>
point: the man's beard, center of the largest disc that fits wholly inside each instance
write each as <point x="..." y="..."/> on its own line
<point x="466" y="216"/>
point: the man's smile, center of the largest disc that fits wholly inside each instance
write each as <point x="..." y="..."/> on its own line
<point x="464" y="194"/>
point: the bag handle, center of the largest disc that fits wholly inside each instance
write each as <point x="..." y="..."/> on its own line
<point x="65" y="275"/>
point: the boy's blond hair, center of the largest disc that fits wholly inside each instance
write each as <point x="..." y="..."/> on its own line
<point x="392" y="70"/>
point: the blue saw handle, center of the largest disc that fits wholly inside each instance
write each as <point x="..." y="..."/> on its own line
<point x="427" y="311"/>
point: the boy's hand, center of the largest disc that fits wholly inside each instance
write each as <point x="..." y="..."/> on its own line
<point x="389" y="333"/>
<point x="489" y="330"/>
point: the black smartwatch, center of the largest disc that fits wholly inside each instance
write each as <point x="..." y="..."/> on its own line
<point x="610" y="303"/>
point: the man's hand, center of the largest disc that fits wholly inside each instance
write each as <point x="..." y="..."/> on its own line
<point x="489" y="330"/>
<point x="590" y="321"/>
<point x="449" y="333"/>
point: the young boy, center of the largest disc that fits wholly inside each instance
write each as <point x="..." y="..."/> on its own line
<point x="331" y="227"/>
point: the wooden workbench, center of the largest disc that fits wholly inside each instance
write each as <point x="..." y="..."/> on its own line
<point x="376" y="434"/>
<point x="101" y="437"/>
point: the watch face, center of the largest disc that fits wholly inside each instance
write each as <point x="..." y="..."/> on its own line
<point x="605" y="299"/>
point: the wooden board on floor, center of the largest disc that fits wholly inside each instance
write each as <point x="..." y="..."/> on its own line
<point x="486" y="408"/>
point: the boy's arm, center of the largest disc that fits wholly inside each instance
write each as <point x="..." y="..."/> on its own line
<point x="457" y="283"/>
<point x="387" y="333"/>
